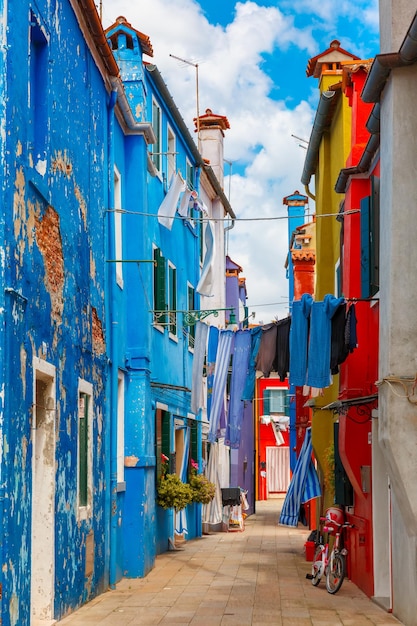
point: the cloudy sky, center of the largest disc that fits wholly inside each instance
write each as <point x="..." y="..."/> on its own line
<point x="252" y="58"/>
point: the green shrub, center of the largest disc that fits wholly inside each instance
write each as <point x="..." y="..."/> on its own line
<point x="173" y="493"/>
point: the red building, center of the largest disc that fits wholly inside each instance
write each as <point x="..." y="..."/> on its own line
<point x="359" y="280"/>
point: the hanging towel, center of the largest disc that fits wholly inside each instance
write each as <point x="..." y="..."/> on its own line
<point x="206" y="282"/>
<point x="213" y="341"/>
<point x="301" y="310"/>
<point x="267" y="349"/>
<point x="184" y="204"/>
<point x="249" y="390"/>
<point x="241" y="354"/>
<point x="304" y="485"/>
<point x="200" y="343"/>
<point x="169" y="204"/>
<point x="224" y="352"/>
<point x="318" y="368"/>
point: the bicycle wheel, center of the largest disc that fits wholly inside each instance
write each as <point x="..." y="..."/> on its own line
<point x="335" y="572"/>
<point x="317" y="566"/>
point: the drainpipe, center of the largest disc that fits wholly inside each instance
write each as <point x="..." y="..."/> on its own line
<point x="321" y="123"/>
<point x="110" y="303"/>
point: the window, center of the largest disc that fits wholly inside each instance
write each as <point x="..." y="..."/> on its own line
<point x="38" y="63"/>
<point x="172" y="156"/>
<point x="275" y="401"/>
<point x="191" y="307"/>
<point x="172" y="294"/>
<point x="370" y="241"/>
<point x="189" y="175"/>
<point x="156" y="125"/>
<point x="118" y="233"/>
<point x="162" y="440"/>
<point x="159" y="294"/>
<point x="85" y="425"/>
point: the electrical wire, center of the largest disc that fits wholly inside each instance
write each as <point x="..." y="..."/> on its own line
<point x="225" y="219"/>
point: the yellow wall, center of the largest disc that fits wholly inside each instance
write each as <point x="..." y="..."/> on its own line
<point x="334" y="150"/>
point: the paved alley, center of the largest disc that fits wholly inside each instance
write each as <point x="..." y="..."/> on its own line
<point x="255" y="577"/>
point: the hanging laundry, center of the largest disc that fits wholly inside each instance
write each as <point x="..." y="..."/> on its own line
<point x="201" y="333"/>
<point x="241" y="355"/>
<point x="351" y="338"/>
<point x="282" y="356"/>
<point x="169" y="204"/>
<point x="267" y="349"/>
<point x="318" y="366"/>
<point x="339" y="350"/>
<point x="300" y="317"/>
<point x="249" y="390"/>
<point x="184" y="204"/>
<point x="206" y="282"/>
<point x="224" y="352"/>
<point x="213" y="341"/>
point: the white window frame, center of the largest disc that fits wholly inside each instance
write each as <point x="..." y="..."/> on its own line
<point x="157" y="129"/>
<point x="121" y="485"/>
<point x="172" y="155"/>
<point x="86" y="511"/>
<point x="118" y="227"/>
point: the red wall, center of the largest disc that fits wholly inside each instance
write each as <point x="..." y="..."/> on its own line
<point x="266" y="435"/>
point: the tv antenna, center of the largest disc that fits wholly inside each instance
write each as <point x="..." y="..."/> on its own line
<point x="197" y="95"/>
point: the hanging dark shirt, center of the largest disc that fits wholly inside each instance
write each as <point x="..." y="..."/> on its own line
<point x="267" y="349"/>
<point x="282" y="359"/>
<point x="339" y="349"/>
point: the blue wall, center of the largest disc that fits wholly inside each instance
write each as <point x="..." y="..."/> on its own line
<point x="54" y="194"/>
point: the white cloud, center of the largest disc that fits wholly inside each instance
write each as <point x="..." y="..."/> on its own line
<point x="266" y="161"/>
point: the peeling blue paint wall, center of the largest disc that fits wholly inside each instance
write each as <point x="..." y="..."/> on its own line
<point x="54" y="187"/>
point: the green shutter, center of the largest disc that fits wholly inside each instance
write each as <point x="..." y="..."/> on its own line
<point x="160" y="303"/>
<point x="191" y="307"/>
<point x="173" y="300"/>
<point x="365" y="247"/>
<point x="343" y="490"/>
<point x="374" y="237"/>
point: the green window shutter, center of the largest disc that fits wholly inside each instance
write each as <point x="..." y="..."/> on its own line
<point x="374" y="220"/>
<point x="267" y="402"/>
<point x="365" y="247"/>
<point x="83" y="448"/>
<point x="172" y="300"/>
<point x="160" y="303"/>
<point x="194" y="441"/>
<point x="343" y="490"/>
<point x="191" y="307"/>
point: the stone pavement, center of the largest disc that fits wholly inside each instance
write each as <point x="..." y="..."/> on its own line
<point x="255" y="577"/>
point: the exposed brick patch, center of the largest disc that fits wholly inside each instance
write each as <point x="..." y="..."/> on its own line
<point x="48" y="238"/>
<point x="99" y="345"/>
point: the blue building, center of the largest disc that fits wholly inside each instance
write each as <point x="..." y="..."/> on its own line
<point x="98" y="272"/>
<point x="55" y="108"/>
<point x="156" y="306"/>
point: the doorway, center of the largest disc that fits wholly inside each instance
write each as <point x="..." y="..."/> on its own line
<point x="43" y="492"/>
<point x="277" y="469"/>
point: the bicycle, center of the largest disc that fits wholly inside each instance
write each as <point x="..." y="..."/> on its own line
<point x="333" y="566"/>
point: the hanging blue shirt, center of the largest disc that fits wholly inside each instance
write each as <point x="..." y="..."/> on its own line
<point x="318" y="368"/>
<point x="299" y="339"/>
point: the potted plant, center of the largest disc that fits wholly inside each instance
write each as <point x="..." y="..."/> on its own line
<point x="173" y="493"/>
<point x="203" y="490"/>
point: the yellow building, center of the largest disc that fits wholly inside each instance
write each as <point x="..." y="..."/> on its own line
<point x="328" y="149"/>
